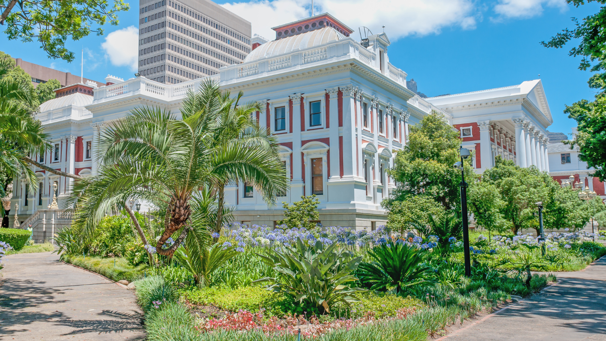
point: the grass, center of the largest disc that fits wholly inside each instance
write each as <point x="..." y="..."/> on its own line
<point x="113" y="268"/>
<point x="36" y="248"/>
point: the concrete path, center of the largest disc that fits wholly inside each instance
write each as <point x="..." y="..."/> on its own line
<point x="573" y="309"/>
<point x="42" y="298"/>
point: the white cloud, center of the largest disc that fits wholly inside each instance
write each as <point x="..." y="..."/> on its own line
<point x="53" y="66"/>
<point x="400" y="17"/>
<point x="121" y="47"/>
<point x="526" y="8"/>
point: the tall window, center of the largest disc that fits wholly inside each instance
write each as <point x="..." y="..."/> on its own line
<point x="56" y="187"/>
<point x="315" y="115"/>
<point x="40" y="189"/>
<point x="381" y="171"/>
<point x="365" y="114"/>
<point x="89" y="146"/>
<point x="394" y="124"/>
<point x="42" y="157"/>
<point x="248" y="190"/>
<point x="280" y="118"/>
<point x="56" y="156"/>
<point x="26" y="194"/>
<point x="317" y="181"/>
<point x="565" y="158"/>
<point x="381" y="121"/>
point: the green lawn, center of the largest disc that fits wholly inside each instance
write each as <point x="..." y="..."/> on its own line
<point x="113" y="268"/>
<point x="45" y="247"/>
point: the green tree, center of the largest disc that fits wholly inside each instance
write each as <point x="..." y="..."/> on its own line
<point x="46" y="91"/>
<point x="425" y="166"/>
<point x="303" y="213"/>
<point x="565" y="210"/>
<point x="485" y="202"/>
<point x="595" y="207"/>
<point x="153" y="154"/>
<point x="405" y="215"/>
<point x="52" y="23"/>
<point x="520" y="189"/>
<point x="590" y="116"/>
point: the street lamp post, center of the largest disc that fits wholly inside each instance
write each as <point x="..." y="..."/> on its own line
<point x="464" y="155"/>
<point x="542" y="236"/>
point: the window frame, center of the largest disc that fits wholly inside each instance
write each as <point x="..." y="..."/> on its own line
<point x="394" y="123"/>
<point x="40" y="193"/>
<point x="275" y="109"/>
<point x="365" y="112"/>
<point x="57" y="152"/>
<point x="566" y="158"/>
<point x="311" y="114"/>
<point x="89" y="157"/>
<point x="470" y="131"/>
<point x="381" y="121"/>
<point x="245" y="192"/>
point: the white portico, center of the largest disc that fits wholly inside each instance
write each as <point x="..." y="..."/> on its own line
<point x="510" y="122"/>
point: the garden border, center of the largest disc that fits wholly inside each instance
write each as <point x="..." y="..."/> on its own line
<point x="512" y="304"/>
<point x="96" y="273"/>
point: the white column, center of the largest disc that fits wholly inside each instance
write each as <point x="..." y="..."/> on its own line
<point x="485" y="152"/>
<point x="590" y="182"/>
<point x="358" y="147"/>
<point x="531" y="147"/>
<point x="297" y="170"/>
<point x="537" y="149"/>
<point x="349" y="138"/>
<point x="542" y="152"/>
<point x="527" y="144"/>
<point x="546" y="142"/>
<point x="375" y="174"/>
<point x="72" y="160"/>
<point x="334" y="134"/>
<point x="95" y="142"/>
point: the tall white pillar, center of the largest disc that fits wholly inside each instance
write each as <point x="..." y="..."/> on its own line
<point x="590" y="182"/>
<point x="349" y="138"/>
<point x="297" y="189"/>
<point x="531" y="146"/>
<point x="334" y="133"/>
<point x="375" y="173"/>
<point x="521" y="142"/>
<point x="72" y="160"/>
<point x="537" y="147"/>
<point x="527" y="142"/>
<point x="96" y="127"/>
<point x="542" y="152"/>
<point x="546" y="143"/>
<point x="485" y="149"/>
<point x="358" y="147"/>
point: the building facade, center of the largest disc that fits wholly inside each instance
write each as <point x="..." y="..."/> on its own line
<point x="339" y="109"/>
<point x="189" y="39"/>
<point x="42" y="74"/>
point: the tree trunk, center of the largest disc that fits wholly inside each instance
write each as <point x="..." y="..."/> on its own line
<point x="220" y="205"/>
<point x="179" y="212"/>
<point x="139" y="230"/>
<point x="51" y="170"/>
<point x="7" y="11"/>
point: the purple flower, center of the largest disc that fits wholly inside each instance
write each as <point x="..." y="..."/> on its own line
<point x="567" y="246"/>
<point x="227" y="244"/>
<point x="215" y="235"/>
<point x="239" y="249"/>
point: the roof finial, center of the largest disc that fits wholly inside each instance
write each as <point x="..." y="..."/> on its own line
<point x="383" y="28"/>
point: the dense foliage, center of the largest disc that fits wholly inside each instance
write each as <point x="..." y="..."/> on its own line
<point x="16" y="238"/>
<point x="303" y="213"/>
<point x="590" y="116"/>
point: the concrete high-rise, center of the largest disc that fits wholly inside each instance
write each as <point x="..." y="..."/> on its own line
<point x="188" y="39"/>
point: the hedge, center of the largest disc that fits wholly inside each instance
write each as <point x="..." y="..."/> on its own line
<point x="16" y="238"/>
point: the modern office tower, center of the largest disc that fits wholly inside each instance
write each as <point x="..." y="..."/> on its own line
<point x="189" y="39"/>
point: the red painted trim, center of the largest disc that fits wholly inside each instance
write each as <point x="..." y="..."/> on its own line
<point x="328" y="163"/>
<point x="327" y="101"/>
<point x="302" y="105"/>
<point x="324" y="140"/>
<point x="303" y="169"/>
<point x="598" y="186"/>
<point x="258" y="118"/>
<point x="79" y="149"/>
<point x="475" y="131"/>
<point x="267" y="119"/>
<point x="78" y="170"/>
<point x="478" y="156"/>
<point x="316" y="129"/>
<point x="341" y="155"/>
<point x="311" y="20"/>
<point x="364" y="141"/>
<point x="340" y="103"/>
<point x="288" y="145"/>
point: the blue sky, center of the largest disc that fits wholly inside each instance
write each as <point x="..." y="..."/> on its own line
<point x="447" y="46"/>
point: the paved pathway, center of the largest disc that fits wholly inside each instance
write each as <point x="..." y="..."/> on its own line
<point x="574" y="309"/>
<point x="42" y="298"/>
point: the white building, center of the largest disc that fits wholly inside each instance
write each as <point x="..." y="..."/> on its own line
<point x="339" y="108"/>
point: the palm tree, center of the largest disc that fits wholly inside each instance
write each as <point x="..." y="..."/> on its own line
<point x="155" y="155"/>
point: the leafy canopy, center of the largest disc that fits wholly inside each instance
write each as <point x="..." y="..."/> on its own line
<point x="52" y="22"/>
<point x="302" y="213"/>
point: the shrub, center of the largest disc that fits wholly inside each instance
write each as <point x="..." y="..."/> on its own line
<point x="202" y="261"/>
<point x="251" y="299"/>
<point x="302" y="213"/>
<point x="318" y="275"/>
<point x="395" y="266"/>
<point x="171" y="321"/>
<point x="16" y="238"/>
<point x="154" y="289"/>
<point x="113" y="268"/>
<point x="381" y="305"/>
<point x="111" y="236"/>
<point x="135" y="254"/>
